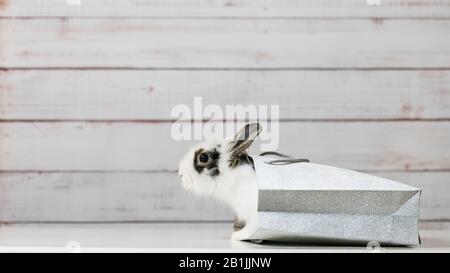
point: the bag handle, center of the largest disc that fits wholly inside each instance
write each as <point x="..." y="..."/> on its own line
<point x="286" y="158"/>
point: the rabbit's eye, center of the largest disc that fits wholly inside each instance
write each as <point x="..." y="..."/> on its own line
<point x="203" y="158"/>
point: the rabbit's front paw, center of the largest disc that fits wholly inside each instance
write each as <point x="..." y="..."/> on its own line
<point x="238" y="236"/>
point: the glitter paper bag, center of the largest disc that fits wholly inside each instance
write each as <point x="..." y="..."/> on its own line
<point x="313" y="203"/>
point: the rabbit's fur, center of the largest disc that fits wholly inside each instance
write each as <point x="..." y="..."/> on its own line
<point x="224" y="170"/>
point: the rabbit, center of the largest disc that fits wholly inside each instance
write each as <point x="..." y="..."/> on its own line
<point x="223" y="169"/>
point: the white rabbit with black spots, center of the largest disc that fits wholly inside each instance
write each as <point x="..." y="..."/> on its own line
<point x="224" y="170"/>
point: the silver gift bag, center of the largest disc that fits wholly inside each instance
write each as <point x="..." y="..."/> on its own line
<point x="307" y="202"/>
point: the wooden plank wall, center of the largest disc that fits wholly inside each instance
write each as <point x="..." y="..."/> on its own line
<point x="86" y="93"/>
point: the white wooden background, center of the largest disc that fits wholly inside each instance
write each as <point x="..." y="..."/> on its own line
<point x="86" y="93"/>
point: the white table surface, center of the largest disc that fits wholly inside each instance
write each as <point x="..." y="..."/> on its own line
<point x="170" y="237"/>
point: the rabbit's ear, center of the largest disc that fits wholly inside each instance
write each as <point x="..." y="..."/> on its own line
<point x="245" y="137"/>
